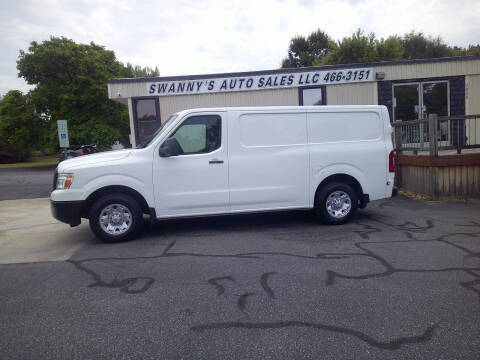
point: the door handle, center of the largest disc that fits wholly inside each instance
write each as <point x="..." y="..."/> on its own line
<point x="215" y="161"/>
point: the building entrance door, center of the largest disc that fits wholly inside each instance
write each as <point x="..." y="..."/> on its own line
<point x="413" y="101"/>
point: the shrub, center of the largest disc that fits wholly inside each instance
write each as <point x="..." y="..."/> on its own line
<point x="11" y="153"/>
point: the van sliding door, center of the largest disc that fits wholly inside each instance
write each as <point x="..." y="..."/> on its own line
<point x="268" y="158"/>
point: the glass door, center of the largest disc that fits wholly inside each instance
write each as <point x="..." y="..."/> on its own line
<point x="406" y="106"/>
<point x="414" y="101"/>
<point x="406" y="102"/>
<point x="435" y="100"/>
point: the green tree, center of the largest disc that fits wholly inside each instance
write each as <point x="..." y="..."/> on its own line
<point x="135" y="71"/>
<point x="71" y="83"/>
<point x="419" y="46"/>
<point x="389" y="49"/>
<point x="357" y="48"/>
<point x="472" y="50"/>
<point x="319" y="49"/>
<point x="304" y="51"/>
<point x="20" y="125"/>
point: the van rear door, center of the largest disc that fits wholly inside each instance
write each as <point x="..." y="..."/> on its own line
<point x="268" y="159"/>
<point x="348" y="141"/>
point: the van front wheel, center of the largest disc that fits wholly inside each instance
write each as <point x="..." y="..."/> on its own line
<point x="336" y="203"/>
<point x="115" y="218"/>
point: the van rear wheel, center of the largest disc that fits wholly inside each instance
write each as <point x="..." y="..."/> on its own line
<point x="115" y="218"/>
<point x="336" y="203"/>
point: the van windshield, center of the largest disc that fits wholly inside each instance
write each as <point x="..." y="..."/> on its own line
<point x="157" y="132"/>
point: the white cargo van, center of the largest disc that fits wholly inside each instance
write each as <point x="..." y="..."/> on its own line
<point x="233" y="160"/>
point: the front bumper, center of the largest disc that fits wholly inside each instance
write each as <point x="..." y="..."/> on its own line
<point x="67" y="211"/>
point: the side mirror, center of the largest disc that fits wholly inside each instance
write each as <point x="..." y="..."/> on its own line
<point x="170" y="147"/>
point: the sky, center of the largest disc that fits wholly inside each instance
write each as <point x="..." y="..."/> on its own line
<point x="184" y="37"/>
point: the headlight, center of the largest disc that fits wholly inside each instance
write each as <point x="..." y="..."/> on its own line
<point x="64" y="181"/>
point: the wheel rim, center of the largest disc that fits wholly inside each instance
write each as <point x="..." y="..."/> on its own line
<point x="339" y="204"/>
<point x="115" y="219"/>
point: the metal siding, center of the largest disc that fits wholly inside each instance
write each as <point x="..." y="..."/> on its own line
<point x="290" y="70"/>
<point x="375" y="94"/>
<point x="352" y="94"/>
<point x="277" y="97"/>
<point x="392" y="72"/>
<point x="473" y="95"/>
<point x="127" y="90"/>
<point x="343" y="94"/>
<point x="472" y="107"/>
<point x="439" y="69"/>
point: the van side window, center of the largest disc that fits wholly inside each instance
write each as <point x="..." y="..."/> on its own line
<point x="324" y="127"/>
<point x="199" y="134"/>
<point x="272" y="129"/>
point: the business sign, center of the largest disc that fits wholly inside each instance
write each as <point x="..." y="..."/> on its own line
<point x="258" y="82"/>
<point x="63" y="133"/>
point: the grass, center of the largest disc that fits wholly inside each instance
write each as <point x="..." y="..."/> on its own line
<point x="36" y="161"/>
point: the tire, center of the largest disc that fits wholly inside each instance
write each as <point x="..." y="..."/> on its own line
<point x="122" y="214"/>
<point x="336" y="203"/>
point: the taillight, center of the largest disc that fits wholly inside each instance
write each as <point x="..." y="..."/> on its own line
<point x="391" y="161"/>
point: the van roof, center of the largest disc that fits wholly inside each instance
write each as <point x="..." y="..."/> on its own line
<point x="288" y="108"/>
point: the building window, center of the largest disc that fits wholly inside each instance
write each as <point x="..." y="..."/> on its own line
<point x="147" y="118"/>
<point x="314" y="95"/>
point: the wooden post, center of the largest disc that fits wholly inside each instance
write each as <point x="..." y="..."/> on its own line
<point x="397" y="128"/>
<point x="422" y="135"/>
<point x="433" y="134"/>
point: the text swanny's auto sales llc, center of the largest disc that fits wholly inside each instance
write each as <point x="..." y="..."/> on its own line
<point x="165" y="88"/>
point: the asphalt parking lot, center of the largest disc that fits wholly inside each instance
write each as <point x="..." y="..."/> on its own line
<point x="400" y="282"/>
<point x="28" y="183"/>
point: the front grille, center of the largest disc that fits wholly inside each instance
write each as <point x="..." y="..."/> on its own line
<point x="55" y="177"/>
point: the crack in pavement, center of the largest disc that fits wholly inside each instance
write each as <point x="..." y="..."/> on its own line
<point x="242" y="300"/>
<point x="136" y="285"/>
<point x="220" y="288"/>
<point x="264" y="283"/>
<point x="388" y="345"/>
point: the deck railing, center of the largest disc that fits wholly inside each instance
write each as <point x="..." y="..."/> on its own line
<point x="439" y="156"/>
<point x="438" y="133"/>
